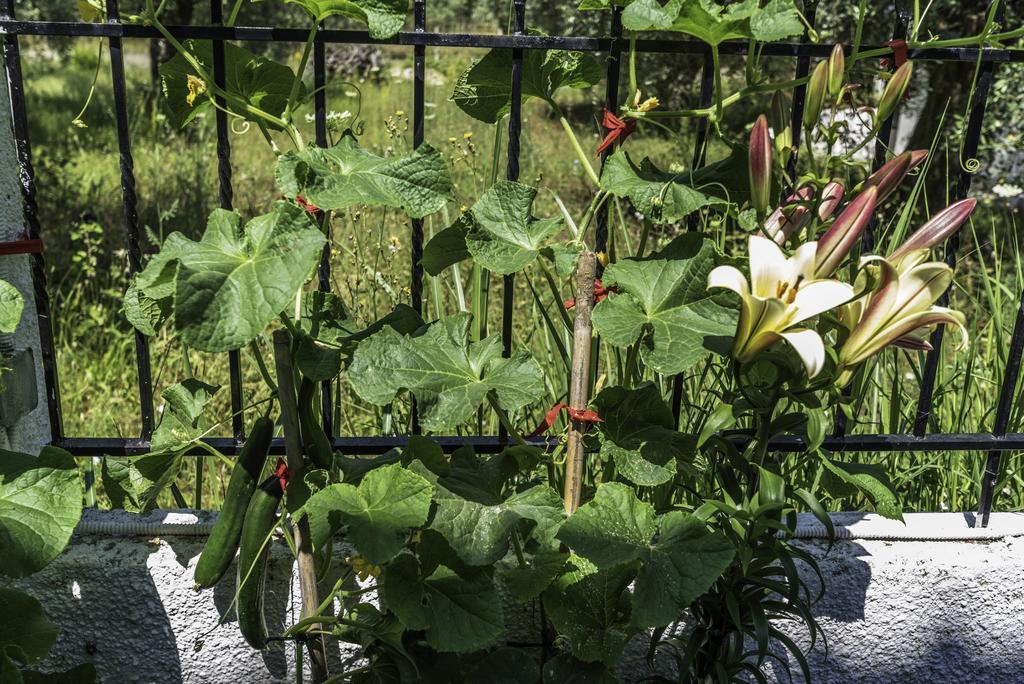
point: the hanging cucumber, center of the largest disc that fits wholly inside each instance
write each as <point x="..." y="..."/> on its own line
<point x="223" y="542"/>
<point x="314" y="440"/>
<point x="253" y="553"/>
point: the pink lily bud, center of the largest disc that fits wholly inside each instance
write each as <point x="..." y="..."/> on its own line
<point x="815" y="98"/>
<point x="760" y="165"/>
<point x="936" y="230"/>
<point x="836" y="67"/>
<point x="893" y="93"/>
<point x="789" y="218"/>
<point x="840" y="238"/>
<point x="891" y="174"/>
<point x="831" y="196"/>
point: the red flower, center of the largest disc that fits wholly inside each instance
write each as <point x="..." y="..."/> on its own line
<point x="618" y="130"/>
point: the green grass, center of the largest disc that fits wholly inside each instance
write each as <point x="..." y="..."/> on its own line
<point x="81" y="212"/>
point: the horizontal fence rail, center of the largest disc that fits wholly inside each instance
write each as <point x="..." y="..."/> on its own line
<point x="613" y="46"/>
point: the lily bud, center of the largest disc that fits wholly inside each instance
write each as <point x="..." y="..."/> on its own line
<point x="836" y="67"/>
<point x="831" y="196"/>
<point x="894" y="91"/>
<point x="840" y="238"/>
<point x="787" y="219"/>
<point x="934" y="232"/>
<point x="892" y="173"/>
<point x="760" y="165"/>
<point x="815" y="98"/>
<point x="782" y="126"/>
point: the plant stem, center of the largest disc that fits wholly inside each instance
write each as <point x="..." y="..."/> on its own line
<point x="293" y="95"/>
<point x="577" y="148"/>
<point x="504" y="420"/>
<point x="234" y="13"/>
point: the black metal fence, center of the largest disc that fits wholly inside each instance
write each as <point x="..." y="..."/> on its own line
<point x="612" y="46"/>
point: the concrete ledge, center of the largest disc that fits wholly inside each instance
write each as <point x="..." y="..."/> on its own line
<point x="896" y="610"/>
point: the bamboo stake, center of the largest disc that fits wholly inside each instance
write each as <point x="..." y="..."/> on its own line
<point x="300" y="529"/>
<point x="579" y="388"/>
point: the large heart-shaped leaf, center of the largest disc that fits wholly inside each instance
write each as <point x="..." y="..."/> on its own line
<point x="499" y="232"/>
<point x="664" y="302"/>
<point x="229" y="286"/>
<point x="714" y="22"/>
<point x="384" y="18"/>
<point x="11" y="306"/>
<point x="26" y="635"/>
<point x="617" y="529"/>
<point x="484" y="90"/>
<point x="377" y="515"/>
<point x="345" y="175"/>
<point x="639" y="434"/>
<point x="459" y="615"/>
<point x="260" y="82"/>
<point x="40" y="504"/>
<point x="449" y="375"/>
<point x="667" y="197"/>
<point x="592" y="613"/>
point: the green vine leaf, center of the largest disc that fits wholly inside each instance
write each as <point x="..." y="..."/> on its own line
<point x="592" y="613"/>
<point x="564" y="669"/>
<point x="40" y="504"/>
<point x="229" y="287"/>
<point x="639" y="434"/>
<point x="712" y="22"/>
<point x="499" y="232"/>
<point x="459" y="615"/>
<point x="377" y="515"/>
<point x="26" y="635"/>
<point x="345" y="175"/>
<point x="664" y="302"/>
<point x="260" y="82"/>
<point x="449" y="375"/>
<point x="11" y="306"/>
<point x="616" y="529"/>
<point x="484" y="90"/>
<point x="384" y="18"/>
<point x="662" y="196"/>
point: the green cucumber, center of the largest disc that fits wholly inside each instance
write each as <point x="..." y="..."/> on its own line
<point x="223" y="542"/>
<point x="253" y="553"/>
<point x="315" y="443"/>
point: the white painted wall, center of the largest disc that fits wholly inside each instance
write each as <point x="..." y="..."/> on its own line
<point x="896" y="611"/>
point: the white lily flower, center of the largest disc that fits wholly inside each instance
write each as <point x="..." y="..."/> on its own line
<point x="782" y="293"/>
<point x="900" y="311"/>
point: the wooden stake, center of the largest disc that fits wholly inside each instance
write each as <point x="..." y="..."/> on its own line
<point x="300" y="529"/>
<point x="579" y="387"/>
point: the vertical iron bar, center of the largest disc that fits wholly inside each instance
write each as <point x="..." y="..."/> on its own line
<point x="1006" y="395"/>
<point x="515" y="125"/>
<point x="324" y="268"/>
<point x="883" y="142"/>
<point x="707" y="85"/>
<point x="418" y="117"/>
<point x="131" y="216"/>
<point x="37" y="265"/>
<point x="803" y="67"/>
<point x="969" y="151"/>
<point x="224" y="179"/>
<point x="611" y="103"/>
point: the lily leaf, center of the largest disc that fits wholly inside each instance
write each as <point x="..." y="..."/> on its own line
<point x="384" y="18"/>
<point x="40" y="504"/>
<point x="617" y="529"/>
<point x="345" y="175"/>
<point x="664" y="302"/>
<point x="378" y="514"/>
<point x="714" y="22"/>
<point x="639" y="433"/>
<point x="484" y="90"/>
<point x="459" y="615"/>
<point x="259" y="81"/>
<point x="868" y="479"/>
<point x="449" y="375"/>
<point x="499" y="232"/>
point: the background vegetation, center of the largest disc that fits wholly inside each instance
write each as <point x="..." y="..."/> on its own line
<point x="80" y="207"/>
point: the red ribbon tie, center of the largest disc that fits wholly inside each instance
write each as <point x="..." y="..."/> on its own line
<point x="581" y="415"/>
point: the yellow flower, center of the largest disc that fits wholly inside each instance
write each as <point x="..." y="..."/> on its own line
<point x="782" y="293"/>
<point x="364" y="569"/>
<point x="196" y="87"/>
